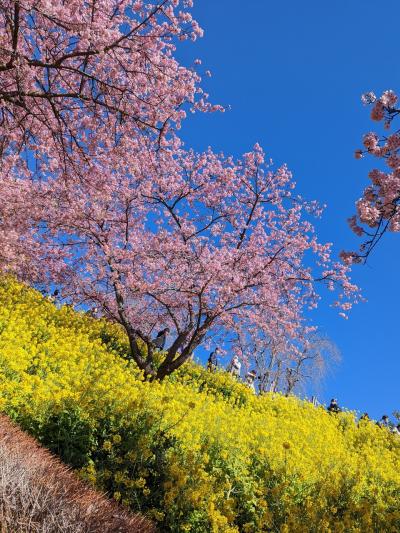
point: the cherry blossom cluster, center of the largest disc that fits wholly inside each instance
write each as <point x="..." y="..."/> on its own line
<point x="77" y="76"/>
<point x="378" y="208"/>
<point x="78" y="80"/>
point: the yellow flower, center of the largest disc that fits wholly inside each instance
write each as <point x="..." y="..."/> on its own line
<point x="221" y="452"/>
<point x="140" y="483"/>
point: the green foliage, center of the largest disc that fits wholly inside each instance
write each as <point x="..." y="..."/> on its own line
<point x="65" y="433"/>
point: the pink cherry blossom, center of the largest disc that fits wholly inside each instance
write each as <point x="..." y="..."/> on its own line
<point x="378" y="209"/>
<point x="370" y="141"/>
<point x="75" y="76"/>
<point x="368" y="98"/>
<point x="378" y="111"/>
<point x="388" y="99"/>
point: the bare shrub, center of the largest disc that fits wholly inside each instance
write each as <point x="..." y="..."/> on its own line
<point x="40" y="494"/>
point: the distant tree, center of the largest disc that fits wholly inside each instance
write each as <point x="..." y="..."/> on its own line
<point x="287" y="365"/>
<point x="378" y="210"/>
<point x="310" y="364"/>
<point x="268" y="358"/>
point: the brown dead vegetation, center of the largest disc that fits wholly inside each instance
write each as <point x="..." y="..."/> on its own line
<point x="40" y="494"/>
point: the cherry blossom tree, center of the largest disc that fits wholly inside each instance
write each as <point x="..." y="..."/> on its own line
<point x="205" y="245"/>
<point x="78" y="75"/>
<point x="99" y="196"/>
<point x="378" y="210"/>
<point x="78" y="80"/>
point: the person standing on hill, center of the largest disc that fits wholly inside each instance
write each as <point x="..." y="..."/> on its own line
<point x="334" y="407"/>
<point x="250" y="378"/>
<point x="159" y="341"/>
<point x="235" y="366"/>
<point x="52" y="297"/>
<point x="384" y="422"/>
<point x="212" y="362"/>
<point x="396" y="429"/>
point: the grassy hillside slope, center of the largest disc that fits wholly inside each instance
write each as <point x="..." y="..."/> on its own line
<point x="197" y="452"/>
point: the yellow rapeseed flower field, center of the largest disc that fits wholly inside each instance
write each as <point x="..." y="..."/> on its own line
<point x="197" y="452"/>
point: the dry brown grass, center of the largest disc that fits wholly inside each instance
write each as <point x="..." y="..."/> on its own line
<point x="40" y="494"/>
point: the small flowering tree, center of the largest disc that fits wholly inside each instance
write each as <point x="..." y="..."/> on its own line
<point x="211" y="247"/>
<point x="378" y="210"/>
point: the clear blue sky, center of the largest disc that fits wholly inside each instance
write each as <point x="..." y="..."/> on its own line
<point x="293" y="73"/>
